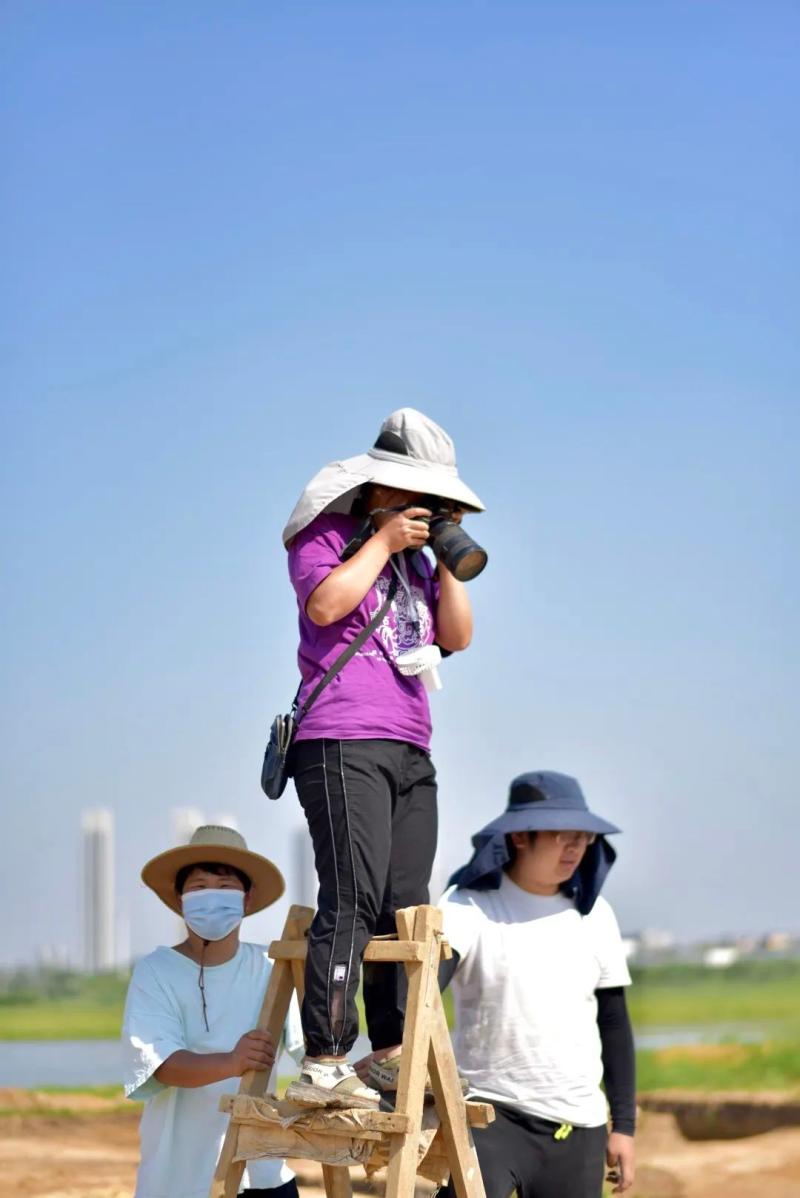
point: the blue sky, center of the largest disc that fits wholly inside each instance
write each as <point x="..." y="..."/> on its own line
<point x="234" y="238"/>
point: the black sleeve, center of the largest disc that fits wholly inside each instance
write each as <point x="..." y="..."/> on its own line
<point x="619" y="1060"/>
<point x="447" y="969"/>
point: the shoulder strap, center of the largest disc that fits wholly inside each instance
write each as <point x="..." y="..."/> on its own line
<point x="349" y="652"/>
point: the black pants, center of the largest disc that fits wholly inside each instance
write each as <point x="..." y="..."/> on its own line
<point x="371" y="811"/>
<point x="520" y="1152"/>
<point x="287" y="1190"/>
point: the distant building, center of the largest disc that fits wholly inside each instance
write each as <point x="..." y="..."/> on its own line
<point x="650" y="946"/>
<point x="778" y="942"/>
<point x="657" y="940"/>
<point x="98" y="890"/>
<point x="720" y="956"/>
<point x="630" y="946"/>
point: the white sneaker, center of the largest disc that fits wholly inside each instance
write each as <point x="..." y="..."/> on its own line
<point x="385" y="1074"/>
<point x="331" y="1084"/>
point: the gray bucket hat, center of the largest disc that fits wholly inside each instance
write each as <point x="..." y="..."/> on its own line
<point x="412" y="453"/>
<point x="541" y="802"/>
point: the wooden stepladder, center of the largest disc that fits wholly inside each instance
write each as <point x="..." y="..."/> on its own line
<point x="394" y="1136"/>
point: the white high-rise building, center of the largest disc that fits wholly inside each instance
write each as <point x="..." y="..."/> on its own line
<point x="98" y="890"/>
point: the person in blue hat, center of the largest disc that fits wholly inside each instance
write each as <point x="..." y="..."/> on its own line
<point x="539" y="976"/>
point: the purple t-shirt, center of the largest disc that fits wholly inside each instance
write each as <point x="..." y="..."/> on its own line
<point x="369" y="698"/>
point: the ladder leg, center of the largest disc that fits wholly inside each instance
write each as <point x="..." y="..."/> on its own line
<point x="419" y="924"/>
<point x="228" y="1173"/>
<point x="465" y="1171"/>
<point x="337" y="1181"/>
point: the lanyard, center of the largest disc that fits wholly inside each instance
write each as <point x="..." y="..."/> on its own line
<point x="401" y="570"/>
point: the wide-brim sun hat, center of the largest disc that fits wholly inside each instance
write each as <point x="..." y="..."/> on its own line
<point x="544" y="801"/>
<point x="212" y="842"/>
<point x="411" y="453"/>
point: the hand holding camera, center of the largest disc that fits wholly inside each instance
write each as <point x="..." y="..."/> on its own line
<point x="404" y="529"/>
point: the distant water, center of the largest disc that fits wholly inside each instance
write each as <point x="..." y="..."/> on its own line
<point x="26" y="1064"/>
<point x="30" y="1063"/>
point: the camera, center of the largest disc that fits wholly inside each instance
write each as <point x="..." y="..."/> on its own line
<point x="462" y="556"/>
<point x="453" y="547"/>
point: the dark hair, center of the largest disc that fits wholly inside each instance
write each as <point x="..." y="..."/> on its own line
<point x="359" y="505"/>
<point x="511" y="848"/>
<point x="211" y="867"/>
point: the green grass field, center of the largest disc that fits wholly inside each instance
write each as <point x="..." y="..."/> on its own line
<point x="759" y="992"/>
<point x="765" y="995"/>
<point x="69" y="1007"/>
<point x="774" y="1065"/>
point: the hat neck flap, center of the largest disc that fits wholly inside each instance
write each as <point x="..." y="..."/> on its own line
<point x="484" y="870"/>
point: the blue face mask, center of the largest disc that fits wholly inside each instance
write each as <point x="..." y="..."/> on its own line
<point x="212" y="914"/>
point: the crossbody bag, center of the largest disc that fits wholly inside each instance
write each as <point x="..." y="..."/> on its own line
<point x="275" y="770"/>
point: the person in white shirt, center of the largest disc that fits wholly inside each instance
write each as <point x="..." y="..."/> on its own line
<point x="538" y="974"/>
<point x="189" y="1025"/>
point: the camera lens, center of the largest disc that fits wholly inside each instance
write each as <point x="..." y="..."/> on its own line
<point x="456" y="549"/>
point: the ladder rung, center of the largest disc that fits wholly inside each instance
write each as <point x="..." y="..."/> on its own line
<point x="479" y="1114"/>
<point x="377" y="950"/>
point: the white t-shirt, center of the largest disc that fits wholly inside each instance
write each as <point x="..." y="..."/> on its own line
<point x="182" y="1128"/>
<point x="526" y="1013"/>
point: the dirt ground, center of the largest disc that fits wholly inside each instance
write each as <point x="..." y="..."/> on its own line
<point x="89" y="1150"/>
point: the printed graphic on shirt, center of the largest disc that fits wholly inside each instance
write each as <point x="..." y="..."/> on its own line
<point x="404" y="627"/>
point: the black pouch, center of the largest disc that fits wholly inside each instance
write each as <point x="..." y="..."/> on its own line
<point x="275" y="770"/>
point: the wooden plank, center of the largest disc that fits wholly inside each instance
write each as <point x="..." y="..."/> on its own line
<point x="265" y="1139"/>
<point x="246" y="1108"/>
<point x="285" y="1142"/>
<point x="337" y="1181"/>
<point x="464" y="1169"/>
<point x="377" y="950"/>
<point x="228" y="1173"/>
<point x="479" y="1114"/>
<point x="421" y="924"/>
<point x="394" y="951"/>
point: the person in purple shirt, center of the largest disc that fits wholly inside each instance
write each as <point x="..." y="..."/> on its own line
<point x="361" y="758"/>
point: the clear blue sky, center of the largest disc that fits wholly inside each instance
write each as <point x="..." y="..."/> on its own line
<point x="234" y="237"/>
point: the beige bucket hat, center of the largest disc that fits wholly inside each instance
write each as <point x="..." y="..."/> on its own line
<point x="412" y="453"/>
<point x="214" y="843"/>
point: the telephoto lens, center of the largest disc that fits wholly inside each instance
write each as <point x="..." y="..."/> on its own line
<point x="455" y="548"/>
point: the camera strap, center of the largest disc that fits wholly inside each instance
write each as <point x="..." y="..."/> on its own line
<point x="401" y="571"/>
<point x="343" y="658"/>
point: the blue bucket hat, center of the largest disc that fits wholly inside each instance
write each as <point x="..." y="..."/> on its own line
<point x="541" y="802"/>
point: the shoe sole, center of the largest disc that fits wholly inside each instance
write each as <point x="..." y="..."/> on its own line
<point x="306" y="1094"/>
